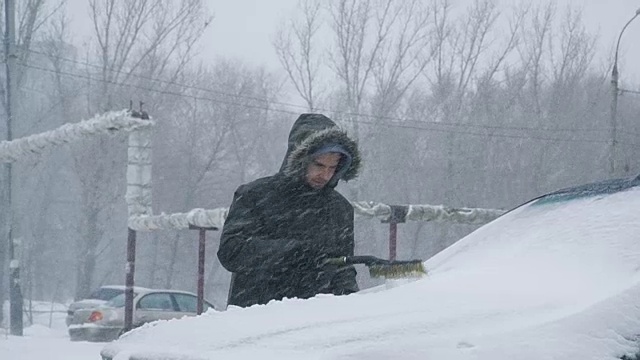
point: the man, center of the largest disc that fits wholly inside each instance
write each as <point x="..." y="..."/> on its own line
<point x="281" y="228"/>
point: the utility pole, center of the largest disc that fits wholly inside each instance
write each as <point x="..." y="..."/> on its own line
<point x="613" y="130"/>
<point x="615" y="90"/>
<point x="15" y="293"/>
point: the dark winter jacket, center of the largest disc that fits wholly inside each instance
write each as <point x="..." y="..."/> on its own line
<point x="279" y="230"/>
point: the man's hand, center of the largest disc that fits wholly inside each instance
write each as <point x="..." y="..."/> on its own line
<point x="308" y="255"/>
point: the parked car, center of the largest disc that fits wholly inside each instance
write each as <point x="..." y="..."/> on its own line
<point x="97" y="297"/>
<point x="555" y="278"/>
<point x="106" y="322"/>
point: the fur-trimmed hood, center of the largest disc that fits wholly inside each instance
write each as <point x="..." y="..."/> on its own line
<point x="310" y="133"/>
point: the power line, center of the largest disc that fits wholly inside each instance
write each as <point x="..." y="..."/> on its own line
<point x="623" y="91"/>
<point x="360" y="115"/>
<point x="48" y="113"/>
<point x="166" y="82"/>
<point x="289" y="112"/>
<point x="153" y="90"/>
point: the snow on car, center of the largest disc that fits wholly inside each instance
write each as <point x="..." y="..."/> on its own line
<point x="555" y="278"/>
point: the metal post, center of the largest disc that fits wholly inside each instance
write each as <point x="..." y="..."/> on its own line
<point x="393" y="239"/>
<point x="398" y="215"/>
<point x="613" y="130"/>
<point x="15" y="293"/>
<point x="130" y="272"/>
<point x="201" y="256"/>
<point x="201" y="271"/>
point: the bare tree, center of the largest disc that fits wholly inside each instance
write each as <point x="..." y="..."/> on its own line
<point x="297" y="51"/>
<point x="46" y="108"/>
<point x="136" y="41"/>
<point x="354" y="54"/>
<point x="469" y="52"/>
<point x="211" y="140"/>
<point x="567" y="53"/>
<point x="464" y="58"/>
<point x="143" y="35"/>
<point x="575" y="50"/>
<point x="533" y="49"/>
<point x="31" y="14"/>
<point x="403" y="56"/>
<point x="196" y="137"/>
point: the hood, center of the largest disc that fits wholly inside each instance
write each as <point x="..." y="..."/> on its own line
<point x="310" y="133"/>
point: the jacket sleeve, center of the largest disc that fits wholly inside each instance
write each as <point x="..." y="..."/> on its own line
<point x="244" y="246"/>
<point x="344" y="281"/>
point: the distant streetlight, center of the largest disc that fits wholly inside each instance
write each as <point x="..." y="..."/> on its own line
<point x="614" y="101"/>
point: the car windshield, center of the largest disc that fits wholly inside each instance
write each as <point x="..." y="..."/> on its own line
<point x="589" y="190"/>
<point x="118" y="301"/>
<point x="105" y="293"/>
<point x="551" y="230"/>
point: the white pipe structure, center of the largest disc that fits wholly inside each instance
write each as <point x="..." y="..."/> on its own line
<point x="108" y="123"/>
<point x="138" y="196"/>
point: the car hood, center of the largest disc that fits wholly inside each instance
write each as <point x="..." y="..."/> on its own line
<point x="547" y="280"/>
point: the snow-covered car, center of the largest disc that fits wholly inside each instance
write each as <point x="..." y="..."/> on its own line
<point x="106" y="322"/>
<point x="96" y="298"/>
<point x="555" y="278"/>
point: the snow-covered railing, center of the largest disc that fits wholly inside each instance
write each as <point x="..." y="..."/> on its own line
<point x="11" y="151"/>
<point x="179" y="221"/>
<point x="437" y="213"/>
<point x="215" y="218"/>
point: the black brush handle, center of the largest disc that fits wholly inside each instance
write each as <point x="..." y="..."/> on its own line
<point x="368" y="261"/>
<point x="353" y="260"/>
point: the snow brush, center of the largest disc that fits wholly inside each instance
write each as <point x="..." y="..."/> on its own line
<point x="389" y="269"/>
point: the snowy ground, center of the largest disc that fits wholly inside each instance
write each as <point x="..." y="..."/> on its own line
<point x="46" y="339"/>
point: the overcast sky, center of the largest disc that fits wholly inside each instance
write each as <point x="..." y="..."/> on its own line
<point x="245" y="28"/>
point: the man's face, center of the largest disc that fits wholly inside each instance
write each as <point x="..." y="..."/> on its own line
<point x="321" y="169"/>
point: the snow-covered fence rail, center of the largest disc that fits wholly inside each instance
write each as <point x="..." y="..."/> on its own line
<point x="437" y="213"/>
<point x="396" y="214"/>
<point x="110" y="122"/>
<point x="215" y="218"/>
<point x="179" y="221"/>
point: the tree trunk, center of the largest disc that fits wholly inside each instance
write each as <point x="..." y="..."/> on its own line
<point x="87" y="263"/>
<point x="173" y="256"/>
